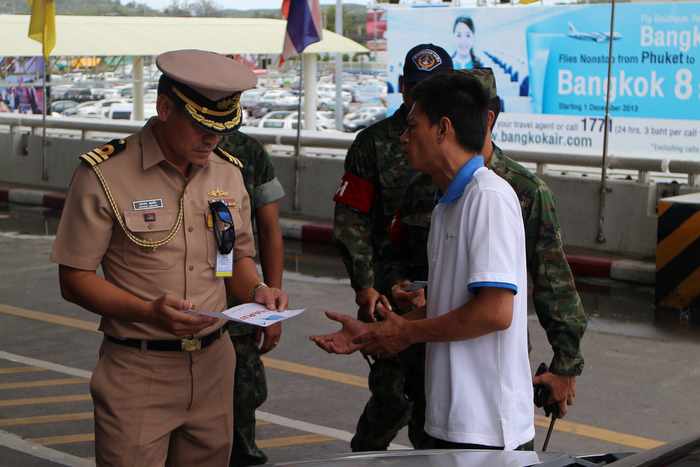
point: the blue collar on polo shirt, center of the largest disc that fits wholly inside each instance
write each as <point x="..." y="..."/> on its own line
<point x="462" y="179"/>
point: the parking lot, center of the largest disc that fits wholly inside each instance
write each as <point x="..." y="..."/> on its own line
<point x="638" y="389"/>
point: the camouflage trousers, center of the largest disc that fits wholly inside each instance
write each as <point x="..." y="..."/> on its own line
<point x="397" y="399"/>
<point x="250" y="391"/>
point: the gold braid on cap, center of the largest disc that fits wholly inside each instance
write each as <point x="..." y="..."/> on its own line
<point x="197" y="112"/>
<point x="233" y="102"/>
<point x="230" y="125"/>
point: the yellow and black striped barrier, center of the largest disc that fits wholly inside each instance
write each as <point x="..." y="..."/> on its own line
<point x="678" y="252"/>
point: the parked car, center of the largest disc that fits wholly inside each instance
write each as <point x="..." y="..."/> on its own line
<point x="124" y="111"/>
<point x="287" y="120"/>
<point x="120" y="111"/>
<point x="324" y="120"/>
<point x="275" y="119"/>
<point x="78" y="95"/>
<point x="125" y="90"/>
<point x="58" y="92"/>
<point x="328" y="91"/>
<point x="328" y="103"/>
<point x="97" y="109"/>
<point x="84" y="110"/>
<point x="369" y="91"/>
<point x="58" y="107"/>
<point x="683" y="453"/>
<point x="363" y="118"/>
<point x="453" y="458"/>
<point x="278" y="99"/>
<point x="251" y="97"/>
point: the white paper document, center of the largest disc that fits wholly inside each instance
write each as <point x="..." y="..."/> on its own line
<point x="253" y="313"/>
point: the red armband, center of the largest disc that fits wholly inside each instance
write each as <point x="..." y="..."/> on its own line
<point x="355" y="192"/>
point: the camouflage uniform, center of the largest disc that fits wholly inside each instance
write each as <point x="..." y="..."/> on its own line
<point x="375" y="158"/>
<point x="250" y="390"/>
<point x="557" y="303"/>
<point x="376" y="176"/>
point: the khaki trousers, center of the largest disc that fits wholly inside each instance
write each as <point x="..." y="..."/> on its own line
<point x="163" y="408"/>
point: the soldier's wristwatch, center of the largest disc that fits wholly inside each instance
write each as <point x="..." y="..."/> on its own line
<point x="259" y="285"/>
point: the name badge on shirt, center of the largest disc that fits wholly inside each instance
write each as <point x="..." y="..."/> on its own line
<point x="224" y="264"/>
<point x="147" y="204"/>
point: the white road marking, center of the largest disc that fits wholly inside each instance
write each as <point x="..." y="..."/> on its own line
<point x="313" y="428"/>
<point x="16" y="443"/>
<point x="268" y="417"/>
<point x="45" y="365"/>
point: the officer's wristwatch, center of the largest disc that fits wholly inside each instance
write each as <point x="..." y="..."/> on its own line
<point x="259" y="285"/>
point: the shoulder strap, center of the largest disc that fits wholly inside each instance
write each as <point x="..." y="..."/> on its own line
<point x="228" y="157"/>
<point x="100" y="154"/>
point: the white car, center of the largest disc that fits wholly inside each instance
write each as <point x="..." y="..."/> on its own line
<point x="327" y="91"/>
<point x="287" y="120"/>
<point x="275" y="119"/>
<point x="278" y="99"/>
<point x="124" y="111"/>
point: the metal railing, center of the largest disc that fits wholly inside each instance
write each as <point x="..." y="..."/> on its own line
<point x="338" y="140"/>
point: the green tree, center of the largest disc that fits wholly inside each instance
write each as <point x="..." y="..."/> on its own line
<point x="177" y="8"/>
<point x="207" y="8"/>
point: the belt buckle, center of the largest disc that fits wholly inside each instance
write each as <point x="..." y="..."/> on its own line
<point x="191" y="344"/>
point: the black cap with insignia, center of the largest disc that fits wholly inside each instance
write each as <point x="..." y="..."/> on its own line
<point x="207" y="85"/>
<point x="424" y="61"/>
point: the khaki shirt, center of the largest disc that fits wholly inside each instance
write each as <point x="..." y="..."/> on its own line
<point x="89" y="234"/>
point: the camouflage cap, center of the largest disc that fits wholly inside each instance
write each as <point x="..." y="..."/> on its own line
<point x="487" y="79"/>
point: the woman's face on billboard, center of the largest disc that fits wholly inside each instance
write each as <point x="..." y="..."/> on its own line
<point x="464" y="37"/>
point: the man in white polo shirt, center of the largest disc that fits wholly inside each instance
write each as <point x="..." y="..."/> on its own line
<point x="478" y="382"/>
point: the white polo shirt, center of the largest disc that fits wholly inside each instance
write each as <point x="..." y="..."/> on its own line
<point x="478" y="390"/>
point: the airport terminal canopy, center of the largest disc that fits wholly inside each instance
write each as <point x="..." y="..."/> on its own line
<point x="146" y="36"/>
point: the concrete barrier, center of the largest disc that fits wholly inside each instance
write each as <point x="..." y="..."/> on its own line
<point x="630" y="218"/>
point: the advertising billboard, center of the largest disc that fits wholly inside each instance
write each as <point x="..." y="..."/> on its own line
<point x="551" y="67"/>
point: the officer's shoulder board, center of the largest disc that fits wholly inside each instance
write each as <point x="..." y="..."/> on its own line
<point x="228" y="157"/>
<point x="102" y="153"/>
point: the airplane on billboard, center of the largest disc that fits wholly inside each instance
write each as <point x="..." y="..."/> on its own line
<point x="591" y="36"/>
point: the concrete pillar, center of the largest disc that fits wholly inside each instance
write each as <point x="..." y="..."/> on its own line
<point x="310" y="80"/>
<point x="137" y="94"/>
<point x="339" y="69"/>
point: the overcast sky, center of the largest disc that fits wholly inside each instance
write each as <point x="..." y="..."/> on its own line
<point x="241" y="4"/>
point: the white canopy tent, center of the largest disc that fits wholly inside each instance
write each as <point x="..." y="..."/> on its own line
<point x="144" y="36"/>
<point x="149" y="36"/>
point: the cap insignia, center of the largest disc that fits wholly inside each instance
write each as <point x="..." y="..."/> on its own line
<point x="426" y="60"/>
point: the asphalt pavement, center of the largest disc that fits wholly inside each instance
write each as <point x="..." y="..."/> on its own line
<point x="638" y="389"/>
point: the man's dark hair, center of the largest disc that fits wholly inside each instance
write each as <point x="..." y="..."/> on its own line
<point x="462" y="99"/>
<point x="164" y="86"/>
<point x="495" y="107"/>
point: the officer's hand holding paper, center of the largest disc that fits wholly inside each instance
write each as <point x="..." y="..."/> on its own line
<point x="252" y="313"/>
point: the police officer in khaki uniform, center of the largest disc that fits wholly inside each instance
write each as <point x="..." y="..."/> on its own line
<point x="166" y="214"/>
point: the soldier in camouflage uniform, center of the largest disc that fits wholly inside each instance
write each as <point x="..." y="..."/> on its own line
<point x="250" y="388"/>
<point x="556" y="301"/>
<point x="375" y="179"/>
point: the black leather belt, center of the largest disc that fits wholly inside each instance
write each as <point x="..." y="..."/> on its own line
<point x="181" y="345"/>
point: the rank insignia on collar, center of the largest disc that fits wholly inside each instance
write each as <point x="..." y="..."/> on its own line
<point x="217" y="193"/>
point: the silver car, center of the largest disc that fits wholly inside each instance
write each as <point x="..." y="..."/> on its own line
<point x="685" y="453"/>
